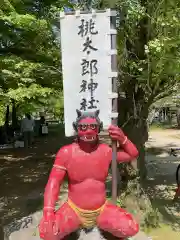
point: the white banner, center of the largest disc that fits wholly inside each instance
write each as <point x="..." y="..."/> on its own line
<point x="86" y="65"/>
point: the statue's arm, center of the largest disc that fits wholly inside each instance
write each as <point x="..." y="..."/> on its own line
<point x="55" y="180"/>
<point x="127" y="151"/>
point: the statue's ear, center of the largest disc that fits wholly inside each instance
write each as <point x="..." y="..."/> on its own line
<point x="79" y="113"/>
<point x="100" y="127"/>
<point x="75" y="126"/>
<point x="97" y="113"/>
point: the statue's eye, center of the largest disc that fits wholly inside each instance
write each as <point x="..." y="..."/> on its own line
<point x="93" y="126"/>
<point x="83" y="126"/>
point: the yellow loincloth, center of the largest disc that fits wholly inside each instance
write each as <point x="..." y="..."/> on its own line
<point x="87" y="217"/>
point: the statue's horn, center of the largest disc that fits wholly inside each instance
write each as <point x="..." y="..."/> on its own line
<point x="97" y="113"/>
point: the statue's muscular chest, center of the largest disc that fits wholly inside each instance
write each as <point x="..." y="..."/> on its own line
<point x="94" y="165"/>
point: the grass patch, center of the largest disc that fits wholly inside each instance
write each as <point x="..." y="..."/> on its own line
<point x="162" y="126"/>
<point x="159" y="126"/>
<point x="163" y="232"/>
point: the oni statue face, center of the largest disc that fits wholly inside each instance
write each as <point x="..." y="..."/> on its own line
<point x="87" y="126"/>
<point x="88" y="129"/>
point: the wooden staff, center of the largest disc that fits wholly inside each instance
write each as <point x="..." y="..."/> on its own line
<point x="114" y="109"/>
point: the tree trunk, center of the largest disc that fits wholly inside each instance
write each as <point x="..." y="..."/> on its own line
<point x="14" y="116"/>
<point x="178" y="117"/>
<point x="7" y="120"/>
<point x="136" y="130"/>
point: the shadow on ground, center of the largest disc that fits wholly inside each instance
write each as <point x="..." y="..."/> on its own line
<point x="24" y="174"/>
<point x="161" y="184"/>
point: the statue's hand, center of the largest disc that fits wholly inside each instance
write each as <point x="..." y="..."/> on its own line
<point x="48" y="227"/>
<point x="117" y="134"/>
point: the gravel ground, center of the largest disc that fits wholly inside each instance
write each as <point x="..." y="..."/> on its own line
<point x="159" y="164"/>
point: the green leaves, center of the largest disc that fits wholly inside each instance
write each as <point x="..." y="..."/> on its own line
<point x="148" y="41"/>
<point x="34" y="91"/>
<point x="30" y="54"/>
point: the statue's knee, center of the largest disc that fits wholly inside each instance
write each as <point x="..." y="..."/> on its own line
<point x="135" y="228"/>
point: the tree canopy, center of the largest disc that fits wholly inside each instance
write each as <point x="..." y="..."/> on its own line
<point x="148" y="50"/>
<point x="29" y="52"/>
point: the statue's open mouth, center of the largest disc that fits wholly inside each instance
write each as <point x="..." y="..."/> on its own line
<point x="88" y="138"/>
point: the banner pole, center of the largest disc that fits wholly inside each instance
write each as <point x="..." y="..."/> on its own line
<point x="114" y="109"/>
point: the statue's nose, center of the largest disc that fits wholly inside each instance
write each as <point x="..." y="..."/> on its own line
<point x="89" y="130"/>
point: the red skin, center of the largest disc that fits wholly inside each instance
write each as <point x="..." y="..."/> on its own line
<point x="87" y="164"/>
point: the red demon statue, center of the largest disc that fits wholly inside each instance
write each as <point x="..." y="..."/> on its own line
<point x="86" y="163"/>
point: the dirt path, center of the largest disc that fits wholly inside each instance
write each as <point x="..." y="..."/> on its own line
<point x="164" y="138"/>
<point x="161" y="174"/>
<point x="158" y="151"/>
<point x="23" y="175"/>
